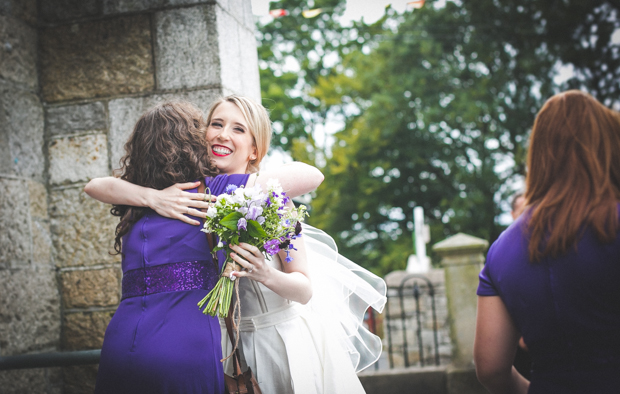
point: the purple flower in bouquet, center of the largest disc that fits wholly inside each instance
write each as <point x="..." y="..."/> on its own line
<point x="242" y="224"/>
<point x="231" y="189"/>
<point x="254" y="212"/>
<point x="272" y="246"/>
<point x="258" y="199"/>
<point x="284" y="243"/>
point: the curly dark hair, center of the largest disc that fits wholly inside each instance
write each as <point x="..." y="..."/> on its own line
<point x="168" y="145"/>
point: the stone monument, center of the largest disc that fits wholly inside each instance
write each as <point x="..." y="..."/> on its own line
<point x="419" y="262"/>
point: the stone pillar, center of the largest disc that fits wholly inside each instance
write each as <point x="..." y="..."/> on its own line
<point x="29" y="297"/>
<point x="462" y="258"/>
<point x="74" y="78"/>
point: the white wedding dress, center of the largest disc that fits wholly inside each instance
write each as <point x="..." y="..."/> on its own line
<point x="315" y="348"/>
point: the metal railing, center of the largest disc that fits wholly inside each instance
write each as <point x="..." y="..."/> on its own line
<point x="416" y="293"/>
<point x="51" y="359"/>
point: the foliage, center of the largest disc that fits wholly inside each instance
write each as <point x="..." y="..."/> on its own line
<point x="295" y="54"/>
<point x="437" y="105"/>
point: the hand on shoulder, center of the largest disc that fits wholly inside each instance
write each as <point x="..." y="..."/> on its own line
<point x="175" y="203"/>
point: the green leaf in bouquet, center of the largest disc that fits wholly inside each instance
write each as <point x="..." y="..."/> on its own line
<point x="230" y="221"/>
<point x="255" y="230"/>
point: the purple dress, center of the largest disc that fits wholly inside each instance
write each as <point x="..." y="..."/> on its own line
<point x="567" y="309"/>
<point x="158" y="340"/>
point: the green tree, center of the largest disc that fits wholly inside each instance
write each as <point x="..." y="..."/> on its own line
<point x="437" y="104"/>
<point x="292" y="55"/>
<point x="295" y="53"/>
<point x="446" y="103"/>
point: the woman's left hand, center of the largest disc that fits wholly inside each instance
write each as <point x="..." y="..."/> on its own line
<point x="250" y="258"/>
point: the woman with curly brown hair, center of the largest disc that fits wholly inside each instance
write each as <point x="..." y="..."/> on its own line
<point x="552" y="276"/>
<point x="155" y="343"/>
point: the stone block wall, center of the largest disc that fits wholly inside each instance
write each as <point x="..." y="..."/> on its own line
<point x="393" y="318"/>
<point x="74" y="78"/>
<point x="29" y="296"/>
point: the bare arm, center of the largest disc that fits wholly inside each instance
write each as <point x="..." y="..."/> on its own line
<point x="293" y="283"/>
<point x="172" y="202"/>
<point x="111" y="190"/>
<point x="296" y="178"/>
<point x="495" y="347"/>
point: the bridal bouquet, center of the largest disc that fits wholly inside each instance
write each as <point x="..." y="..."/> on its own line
<point x="251" y="216"/>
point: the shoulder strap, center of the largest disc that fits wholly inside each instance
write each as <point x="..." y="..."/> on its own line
<point x="255" y="175"/>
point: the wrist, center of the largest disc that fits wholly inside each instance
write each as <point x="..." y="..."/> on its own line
<point x="147" y="197"/>
<point x="267" y="276"/>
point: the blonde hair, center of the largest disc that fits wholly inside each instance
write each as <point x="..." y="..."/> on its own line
<point x="258" y="121"/>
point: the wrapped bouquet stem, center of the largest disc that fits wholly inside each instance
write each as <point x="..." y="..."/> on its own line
<point x="258" y="218"/>
<point x="218" y="299"/>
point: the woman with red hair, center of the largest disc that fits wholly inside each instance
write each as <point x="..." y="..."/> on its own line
<point x="553" y="275"/>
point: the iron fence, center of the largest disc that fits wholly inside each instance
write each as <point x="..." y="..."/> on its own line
<point x="415" y="292"/>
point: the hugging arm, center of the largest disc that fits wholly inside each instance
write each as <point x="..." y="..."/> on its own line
<point x="495" y="346"/>
<point x="296" y="178"/>
<point x="174" y="202"/>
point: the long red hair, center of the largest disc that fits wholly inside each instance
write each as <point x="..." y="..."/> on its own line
<point x="573" y="176"/>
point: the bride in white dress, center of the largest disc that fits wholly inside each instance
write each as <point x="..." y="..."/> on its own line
<point x="313" y="348"/>
<point x="301" y="325"/>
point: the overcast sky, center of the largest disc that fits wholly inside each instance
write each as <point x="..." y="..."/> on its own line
<point x="370" y="10"/>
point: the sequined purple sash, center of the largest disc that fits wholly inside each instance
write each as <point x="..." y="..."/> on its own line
<point x="183" y="276"/>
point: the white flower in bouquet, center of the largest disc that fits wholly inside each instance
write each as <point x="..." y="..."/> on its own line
<point x="211" y="212"/>
<point x="274" y="185"/>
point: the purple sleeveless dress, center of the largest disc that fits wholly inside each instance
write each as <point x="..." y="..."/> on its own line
<point x="567" y="309"/>
<point x="158" y="340"/>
